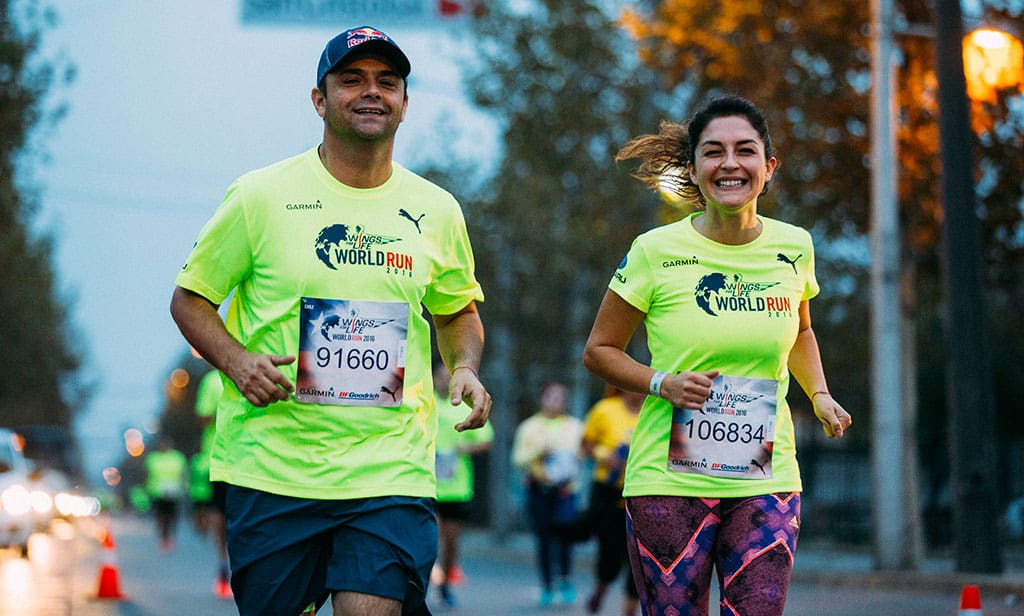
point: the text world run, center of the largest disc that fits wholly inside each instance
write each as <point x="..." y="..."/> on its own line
<point x="379" y="258"/>
<point x="754" y="304"/>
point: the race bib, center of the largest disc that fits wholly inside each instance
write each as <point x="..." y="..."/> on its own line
<point x="351" y="353"/>
<point x="445" y="465"/>
<point x="561" y="466"/>
<point x="732" y="435"/>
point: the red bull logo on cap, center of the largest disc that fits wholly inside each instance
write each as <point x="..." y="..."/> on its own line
<point x="361" y="35"/>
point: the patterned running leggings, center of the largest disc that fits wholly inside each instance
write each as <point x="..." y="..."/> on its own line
<point x="674" y="542"/>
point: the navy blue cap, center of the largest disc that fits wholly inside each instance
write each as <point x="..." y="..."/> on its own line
<point x="364" y="39"/>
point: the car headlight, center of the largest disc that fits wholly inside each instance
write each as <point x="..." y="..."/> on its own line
<point x="41" y="501"/>
<point x="16" y="500"/>
<point x="76" y="506"/>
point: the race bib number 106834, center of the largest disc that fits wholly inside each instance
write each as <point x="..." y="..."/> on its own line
<point x="732" y="435"/>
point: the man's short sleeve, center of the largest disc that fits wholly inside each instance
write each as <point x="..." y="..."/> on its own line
<point x="222" y="255"/>
<point x="454" y="283"/>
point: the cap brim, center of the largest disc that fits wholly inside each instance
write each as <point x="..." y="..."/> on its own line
<point x="382" y="49"/>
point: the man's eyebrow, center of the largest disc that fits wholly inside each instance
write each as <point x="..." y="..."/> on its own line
<point x="389" y="72"/>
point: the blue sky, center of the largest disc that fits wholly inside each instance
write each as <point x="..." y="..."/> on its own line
<point x="171" y="102"/>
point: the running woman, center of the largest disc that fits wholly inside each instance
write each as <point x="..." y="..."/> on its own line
<point x="712" y="481"/>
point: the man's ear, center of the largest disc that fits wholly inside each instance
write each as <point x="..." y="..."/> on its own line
<point x="319" y="102"/>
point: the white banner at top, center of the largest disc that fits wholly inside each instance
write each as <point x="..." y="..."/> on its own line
<point x="319" y="12"/>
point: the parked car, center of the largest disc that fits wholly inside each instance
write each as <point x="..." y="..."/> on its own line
<point x="17" y="520"/>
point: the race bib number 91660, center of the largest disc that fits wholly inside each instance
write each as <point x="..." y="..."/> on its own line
<point x="351" y="353"/>
<point x="732" y="435"/>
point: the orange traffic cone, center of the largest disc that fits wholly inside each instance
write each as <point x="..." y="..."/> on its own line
<point x="970" y="601"/>
<point x="110" y="578"/>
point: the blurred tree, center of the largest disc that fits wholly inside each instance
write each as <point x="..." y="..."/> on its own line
<point x="42" y="352"/>
<point x="559" y="215"/>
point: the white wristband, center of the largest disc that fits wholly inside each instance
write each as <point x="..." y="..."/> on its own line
<point x="655" y="386"/>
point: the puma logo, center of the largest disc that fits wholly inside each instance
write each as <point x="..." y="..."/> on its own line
<point x="415" y="221"/>
<point x="784" y="259"/>
<point x="758" y="464"/>
<point x="385" y="390"/>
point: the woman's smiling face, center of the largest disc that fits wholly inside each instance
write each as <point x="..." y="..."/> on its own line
<point x="729" y="165"/>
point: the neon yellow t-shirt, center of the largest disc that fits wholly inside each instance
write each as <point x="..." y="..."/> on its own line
<point x="200" y="490"/>
<point x="711" y="306"/>
<point x="165" y="473"/>
<point x="211" y="388"/>
<point x="455" y="468"/>
<point x="289" y="231"/>
<point x="609" y="426"/>
<point x="208" y="395"/>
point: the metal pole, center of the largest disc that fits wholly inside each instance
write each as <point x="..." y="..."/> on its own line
<point x="972" y="434"/>
<point x="503" y="415"/>
<point x="886" y="384"/>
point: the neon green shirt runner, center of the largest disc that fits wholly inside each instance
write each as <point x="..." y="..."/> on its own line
<point x="455" y="473"/>
<point x="208" y="394"/>
<point x="165" y="473"/>
<point x="291" y="230"/>
<point x="712" y="306"/>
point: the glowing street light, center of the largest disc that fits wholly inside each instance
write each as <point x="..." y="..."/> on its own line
<point x="993" y="61"/>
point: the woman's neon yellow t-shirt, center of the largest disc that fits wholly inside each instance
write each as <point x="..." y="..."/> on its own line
<point x="289" y="231"/>
<point x="711" y="306"/>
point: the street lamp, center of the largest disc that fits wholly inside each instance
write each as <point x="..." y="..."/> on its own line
<point x="992" y="60"/>
<point x="972" y="435"/>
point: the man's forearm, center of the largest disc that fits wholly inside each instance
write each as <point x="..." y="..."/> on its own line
<point x="460" y="338"/>
<point x="201" y="325"/>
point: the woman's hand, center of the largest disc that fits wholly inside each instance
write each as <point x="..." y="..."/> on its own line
<point x="833" y="417"/>
<point x="688" y="390"/>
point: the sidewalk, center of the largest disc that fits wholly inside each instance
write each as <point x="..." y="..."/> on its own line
<point x="816" y="564"/>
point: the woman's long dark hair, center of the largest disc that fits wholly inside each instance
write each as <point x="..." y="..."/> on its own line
<point x="664" y="156"/>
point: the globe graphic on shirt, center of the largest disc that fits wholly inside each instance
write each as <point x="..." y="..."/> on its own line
<point x="707" y="286"/>
<point x="329" y="323"/>
<point x="330" y="241"/>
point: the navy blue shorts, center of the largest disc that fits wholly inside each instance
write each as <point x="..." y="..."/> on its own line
<point x="454" y="510"/>
<point x="220" y="490"/>
<point x="289" y="552"/>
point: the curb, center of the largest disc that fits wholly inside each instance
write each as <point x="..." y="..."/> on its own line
<point x="819" y="565"/>
<point x="1008" y="586"/>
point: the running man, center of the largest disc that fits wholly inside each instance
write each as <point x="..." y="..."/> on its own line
<point x="325" y="433"/>
<point x="166" y="470"/>
<point x="208" y="496"/>
<point x="455" y="478"/>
